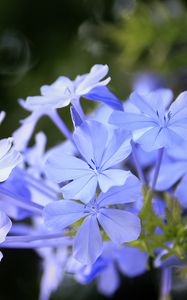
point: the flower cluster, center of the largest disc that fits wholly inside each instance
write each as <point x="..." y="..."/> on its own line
<point x="109" y="196"/>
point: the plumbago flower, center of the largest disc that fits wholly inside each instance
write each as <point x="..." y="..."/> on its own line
<point x="152" y="123"/>
<point x="129" y="261"/>
<point x="121" y="226"/>
<point x="54" y="262"/>
<point x="100" y="149"/>
<point x="60" y="94"/>
<point x="65" y="91"/>
<point x="102" y="199"/>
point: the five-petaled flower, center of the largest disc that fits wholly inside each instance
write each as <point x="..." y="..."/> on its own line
<point x="120" y="225"/>
<point x="100" y="150"/>
<point x="152" y="123"/>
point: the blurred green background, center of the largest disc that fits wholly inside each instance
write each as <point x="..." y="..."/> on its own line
<point x="41" y="40"/>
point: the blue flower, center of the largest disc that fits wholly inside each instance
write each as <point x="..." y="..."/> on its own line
<point x="60" y="94"/>
<point x="100" y="150"/>
<point x="53" y="267"/>
<point x="130" y="261"/>
<point x="153" y="125"/>
<point x="65" y="91"/>
<point x="121" y="226"/>
<point x="145" y="83"/>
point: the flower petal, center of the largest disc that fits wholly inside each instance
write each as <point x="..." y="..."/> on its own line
<point x="23" y="134"/>
<point x="157" y="138"/>
<point x="120" y="226"/>
<point x="88" y="242"/>
<point x="60" y="214"/>
<point x="55" y="101"/>
<point x="8" y="162"/>
<point x="131" y="121"/>
<point x="112" y="177"/>
<point x="5" y="146"/>
<point x="91" y="138"/>
<point x="5" y="225"/>
<point x="60" y="167"/>
<point x="103" y="94"/>
<point x="132" y="262"/>
<point x="131" y="191"/>
<point x="1" y="255"/>
<point x="178" y="107"/>
<point x="169" y="174"/>
<point x="2" y="116"/>
<point x="92" y="79"/>
<point x="82" y="188"/>
<point x="118" y="148"/>
<point x="108" y="280"/>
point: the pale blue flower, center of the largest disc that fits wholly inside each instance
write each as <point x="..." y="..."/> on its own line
<point x="152" y="123"/>
<point x="145" y="83"/>
<point x="65" y="91"/>
<point x="53" y="269"/>
<point x="100" y="151"/>
<point x="121" y="226"/>
<point x="128" y="260"/>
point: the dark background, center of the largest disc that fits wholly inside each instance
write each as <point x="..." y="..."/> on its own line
<point x="41" y="40"/>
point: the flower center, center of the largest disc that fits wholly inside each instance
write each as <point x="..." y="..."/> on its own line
<point x="93" y="166"/>
<point x="92" y="207"/>
<point x="164" y="120"/>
